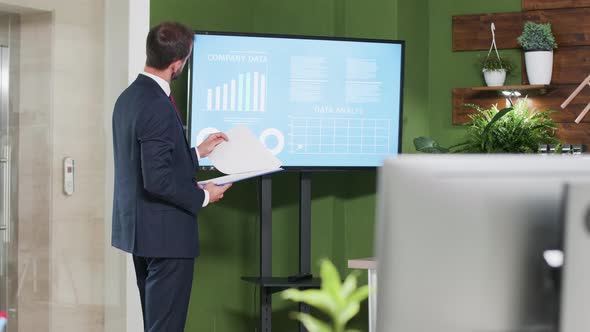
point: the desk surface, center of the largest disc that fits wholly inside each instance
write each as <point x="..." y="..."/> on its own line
<point x="363" y="263"/>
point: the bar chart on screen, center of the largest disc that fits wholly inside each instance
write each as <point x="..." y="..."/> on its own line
<point x="246" y="92"/>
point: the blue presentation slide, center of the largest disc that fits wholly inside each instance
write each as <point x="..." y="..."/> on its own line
<point x="312" y="103"/>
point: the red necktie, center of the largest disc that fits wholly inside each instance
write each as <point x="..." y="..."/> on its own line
<point x="175" y="107"/>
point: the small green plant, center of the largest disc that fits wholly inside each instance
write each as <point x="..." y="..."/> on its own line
<point x="494" y="63"/>
<point x="537" y="37"/>
<point x="511" y="130"/>
<point x="516" y="129"/>
<point x="339" y="301"/>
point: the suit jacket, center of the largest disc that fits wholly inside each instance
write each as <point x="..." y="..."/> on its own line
<point x="156" y="199"/>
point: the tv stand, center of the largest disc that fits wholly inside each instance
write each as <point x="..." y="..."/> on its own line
<point x="304" y="279"/>
<point x="298" y="277"/>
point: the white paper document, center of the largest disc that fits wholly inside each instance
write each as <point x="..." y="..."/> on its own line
<point x="243" y="156"/>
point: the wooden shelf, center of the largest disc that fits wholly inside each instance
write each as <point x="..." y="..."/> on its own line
<point x="486" y="96"/>
<point x="550" y="100"/>
<point x="540" y="89"/>
<point x="523" y="89"/>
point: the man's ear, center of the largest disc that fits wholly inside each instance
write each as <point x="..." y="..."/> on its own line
<point x="176" y="65"/>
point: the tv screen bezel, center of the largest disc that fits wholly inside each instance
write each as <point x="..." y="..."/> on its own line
<point x="312" y="37"/>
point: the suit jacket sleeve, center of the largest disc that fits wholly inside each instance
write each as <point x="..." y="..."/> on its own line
<point x="195" y="158"/>
<point x="156" y="130"/>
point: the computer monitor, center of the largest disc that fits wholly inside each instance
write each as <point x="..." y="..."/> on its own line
<point x="314" y="102"/>
<point x="460" y="241"/>
<point x="575" y="285"/>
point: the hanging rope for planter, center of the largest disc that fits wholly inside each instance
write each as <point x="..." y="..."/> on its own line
<point x="493" y="46"/>
<point x="494" y="69"/>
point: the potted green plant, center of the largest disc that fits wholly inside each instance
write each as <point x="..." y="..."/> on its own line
<point x="538" y="43"/>
<point x="517" y="129"/>
<point x="340" y="301"/>
<point x="495" y="69"/>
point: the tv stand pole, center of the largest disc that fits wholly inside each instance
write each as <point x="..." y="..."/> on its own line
<point x="265" y="251"/>
<point x="304" y="232"/>
<point x="303" y="280"/>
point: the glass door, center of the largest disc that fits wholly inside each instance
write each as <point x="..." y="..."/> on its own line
<point x="6" y="234"/>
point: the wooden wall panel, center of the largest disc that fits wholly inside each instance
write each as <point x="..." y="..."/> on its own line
<point x="571" y="65"/>
<point x="462" y="96"/>
<point x="571" y="26"/>
<point x="573" y="133"/>
<point x="555" y="97"/>
<point x="472" y="32"/>
<point x="553" y="4"/>
<point x="550" y="101"/>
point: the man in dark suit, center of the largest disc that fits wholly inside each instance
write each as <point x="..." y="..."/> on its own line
<point x="157" y="199"/>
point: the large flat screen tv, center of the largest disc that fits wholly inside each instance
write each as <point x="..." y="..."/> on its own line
<point x="314" y="102"/>
<point x="461" y="239"/>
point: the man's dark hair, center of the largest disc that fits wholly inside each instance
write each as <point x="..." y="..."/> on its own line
<point x="166" y="43"/>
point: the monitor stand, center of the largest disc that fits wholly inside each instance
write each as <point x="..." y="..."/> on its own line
<point x="299" y="277"/>
<point x="304" y="279"/>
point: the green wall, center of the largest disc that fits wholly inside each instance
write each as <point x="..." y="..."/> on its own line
<point x="343" y="203"/>
<point x="450" y="69"/>
<point x="413" y="28"/>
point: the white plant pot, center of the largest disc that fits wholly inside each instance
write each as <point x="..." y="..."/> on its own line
<point x="539" y="66"/>
<point x="494" y="77"/>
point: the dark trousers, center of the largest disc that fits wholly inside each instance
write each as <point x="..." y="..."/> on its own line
<point x="165" y="289"/>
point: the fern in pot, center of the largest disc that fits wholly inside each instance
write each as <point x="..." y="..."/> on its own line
<point x="538" y="43"/>
<point x="517" y="129"/>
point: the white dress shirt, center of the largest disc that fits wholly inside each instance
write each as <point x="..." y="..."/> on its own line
<point x="166" y="87"/>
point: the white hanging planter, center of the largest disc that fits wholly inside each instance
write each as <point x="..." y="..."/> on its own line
<point x="539" y="66"/>
<point x="494" y="77"/>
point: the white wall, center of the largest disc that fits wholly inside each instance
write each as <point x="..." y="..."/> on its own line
<point x="75" y="58"/>
<point x="124" y="59"/>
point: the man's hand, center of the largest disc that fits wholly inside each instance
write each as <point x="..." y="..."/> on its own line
<point x="215" y="191"/>
<point x="210" y="143"/>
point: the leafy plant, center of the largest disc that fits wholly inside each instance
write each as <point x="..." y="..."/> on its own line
<point x="495" y="63"/>
<point x="510" y="130"/>
<point x="516" y="129"/>
<point x="339" y="301"/>
<point x="428" y="145"/>
<point x="537" y="37"/>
